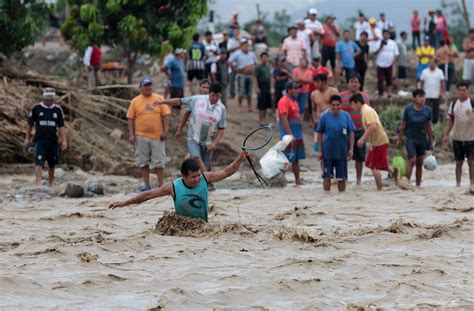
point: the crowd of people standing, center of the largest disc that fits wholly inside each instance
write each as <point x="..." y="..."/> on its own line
<point x="312" y="62"/>
<point x="318" y="74"/>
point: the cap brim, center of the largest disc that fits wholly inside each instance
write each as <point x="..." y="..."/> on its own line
<point x="142" y="83"/>
<point x="49" y="96"/>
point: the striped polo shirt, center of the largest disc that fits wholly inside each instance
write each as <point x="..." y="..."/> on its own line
<point x="346" y="106"/>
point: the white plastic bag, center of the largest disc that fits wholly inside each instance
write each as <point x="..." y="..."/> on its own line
<point x="429" y="163"/>
<point x="283" y="143"/>
<point x="273" y="162"/>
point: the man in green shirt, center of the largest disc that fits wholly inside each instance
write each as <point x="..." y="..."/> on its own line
<point x="263" y="77"/>
<point x="190" y="192"/>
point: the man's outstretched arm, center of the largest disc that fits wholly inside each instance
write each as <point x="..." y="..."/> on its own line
<point x="144" y="196"/>
<point x="175" y="102"/>
<point x="228" y="171"/>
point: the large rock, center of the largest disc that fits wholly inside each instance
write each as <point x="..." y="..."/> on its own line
<point x="74" y="190"/>
<point x="59" y="174"/>
<point x="93" y="186"/>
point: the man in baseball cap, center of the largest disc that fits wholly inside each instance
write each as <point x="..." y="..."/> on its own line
<point x="316" y="29"/>
<point x="48" y="119"/>
<point x="49" y="93"/>
<point x="148" y="130"/>
<point x="145" y="80"/>
<point x="424" y="54"/>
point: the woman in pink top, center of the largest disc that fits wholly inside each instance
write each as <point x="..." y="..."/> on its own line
<point x="303" y="76"/>
<point x="441" y="27"/>
<point x="415" y="29"/>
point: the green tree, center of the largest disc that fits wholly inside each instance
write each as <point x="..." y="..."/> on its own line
<point x="279" y="27"/>
<point x="135" y="26"/>
<point x="21" y="23"/>
<point x="457" y="26"/>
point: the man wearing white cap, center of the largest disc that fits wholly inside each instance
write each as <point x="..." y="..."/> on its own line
<point x="317" y="29"/>
<point x="48" y="120"/>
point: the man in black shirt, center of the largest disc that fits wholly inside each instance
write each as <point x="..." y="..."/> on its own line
<point x="362" y="58"/>
<point x="48" y="119"/>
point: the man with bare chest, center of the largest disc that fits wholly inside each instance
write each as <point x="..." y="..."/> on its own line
<point x="468" y="45"/>
<point x="320" y="97"/>
<point x="446" y="55"/>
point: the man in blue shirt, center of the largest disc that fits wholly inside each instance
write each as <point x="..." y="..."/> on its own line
<point x="243" y="63"/>
<point x="189" y="193"/>
<point x="176" y="73"/>
<point x="346" y="51"/>
<point x="336" y="143"/>
<point x="417" y="127"/>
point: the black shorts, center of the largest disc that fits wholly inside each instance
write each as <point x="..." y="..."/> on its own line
<point x="359" y="153"/>
<point x="415" y="148"/>
<point x="46" y="151"/>
<point x="329" y="54"/>
<point x="402" y="72"/>
<point x="176" y="92"/>
<point x="264" y="101"/>
<point x="463" y="149"/>
<point x="198" y="74"/>
<point x="207" y="71"/>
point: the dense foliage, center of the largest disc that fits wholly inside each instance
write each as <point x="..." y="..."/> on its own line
<point x="21" y="23"/>
<point x="135" y="26"/>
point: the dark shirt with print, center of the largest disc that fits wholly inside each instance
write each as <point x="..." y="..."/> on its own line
<point x="46" y="121"/>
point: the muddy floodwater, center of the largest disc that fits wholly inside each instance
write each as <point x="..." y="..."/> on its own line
<point x="263" y="249"/>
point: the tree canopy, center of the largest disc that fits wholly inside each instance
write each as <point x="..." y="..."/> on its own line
<point x="135" y="26"/>
<point x="21" y="23"/>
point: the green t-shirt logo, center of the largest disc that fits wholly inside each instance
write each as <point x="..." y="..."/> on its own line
<point x="196" y="54"/>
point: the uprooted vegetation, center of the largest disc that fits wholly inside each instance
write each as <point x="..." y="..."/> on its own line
<point x="96" y="126"/>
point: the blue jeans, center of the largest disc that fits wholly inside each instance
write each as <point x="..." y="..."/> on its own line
<point x="302" y="102"/>
<point x="198" y="150"/>
<point x="244" y="84"/>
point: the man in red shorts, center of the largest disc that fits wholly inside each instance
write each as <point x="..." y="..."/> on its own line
<point x="377" y="158"/>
